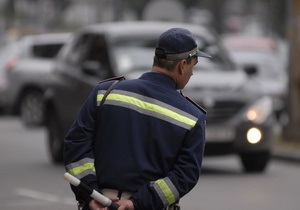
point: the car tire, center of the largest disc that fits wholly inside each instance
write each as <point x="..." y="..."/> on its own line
<point x="255" y="161"/>
<point x="55" y="138"/>
<point x="31" y="108"/>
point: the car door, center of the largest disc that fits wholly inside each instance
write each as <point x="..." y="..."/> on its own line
<point x="82" y="65"/>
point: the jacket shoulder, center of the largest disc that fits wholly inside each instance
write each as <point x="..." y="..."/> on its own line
<point x="112" y="78"/>
<point x="195" y="104"/>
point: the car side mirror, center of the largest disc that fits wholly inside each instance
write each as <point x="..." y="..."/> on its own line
<point x="250" y="70"/>
<point x="91" y="68"/>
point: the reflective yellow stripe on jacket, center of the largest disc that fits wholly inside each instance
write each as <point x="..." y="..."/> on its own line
<point x="166" y="191"/>
<point x="81" y="168"/>
<point x="149" y="106"/>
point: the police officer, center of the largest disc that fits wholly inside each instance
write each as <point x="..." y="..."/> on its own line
<point x="147" y="151"/>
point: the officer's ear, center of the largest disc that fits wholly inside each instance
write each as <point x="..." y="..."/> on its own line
<point x="181" y="65"/>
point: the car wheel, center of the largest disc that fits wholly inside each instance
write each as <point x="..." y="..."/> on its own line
<point x="31" y="108"/>
<point x="55" y="138"/>
<point x="255" y="161"/>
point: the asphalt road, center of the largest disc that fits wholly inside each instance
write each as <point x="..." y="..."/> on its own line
<point x="29" y="181"/>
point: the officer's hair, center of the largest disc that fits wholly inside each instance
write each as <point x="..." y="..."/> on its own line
<point x="166" y="64"/>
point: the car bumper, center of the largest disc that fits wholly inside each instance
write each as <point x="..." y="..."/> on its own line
<point x="221" y="140"/>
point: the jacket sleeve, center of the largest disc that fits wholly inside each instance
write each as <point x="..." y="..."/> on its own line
<point x="181" y="179"/>
<point x="78" y="152"/>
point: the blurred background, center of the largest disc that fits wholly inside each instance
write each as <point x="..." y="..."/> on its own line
<point x="19" y="17"/>
<point x="261" y="37"/>
<point x="275" y="20"/>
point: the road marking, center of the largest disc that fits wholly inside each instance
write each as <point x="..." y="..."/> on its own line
<point x="44" y="196"/>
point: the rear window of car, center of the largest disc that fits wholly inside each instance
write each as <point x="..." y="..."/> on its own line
<point x="46" y="51"/>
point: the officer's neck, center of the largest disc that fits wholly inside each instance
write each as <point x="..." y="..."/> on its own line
<point x="171" y="74"/>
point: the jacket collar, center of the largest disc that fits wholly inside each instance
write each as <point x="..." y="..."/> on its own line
<point x="160" y="78"/>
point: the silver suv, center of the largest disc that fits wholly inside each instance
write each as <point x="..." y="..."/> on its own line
<point x="28" y="71"/>
<point x="238" y="122"/>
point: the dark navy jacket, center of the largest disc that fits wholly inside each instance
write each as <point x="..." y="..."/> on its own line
<point x="151" y="141"/>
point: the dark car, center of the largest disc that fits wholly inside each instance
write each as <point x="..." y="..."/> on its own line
<point x="98" y="52"/>
<point x="28" y="71"/>
<point x="266" y="57"/>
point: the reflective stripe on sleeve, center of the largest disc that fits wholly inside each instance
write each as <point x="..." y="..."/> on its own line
<point x="81" y="168"/>
<point x="149" y="106"/>
<point x="100" y="95"/>
<point x="166" y="191"/>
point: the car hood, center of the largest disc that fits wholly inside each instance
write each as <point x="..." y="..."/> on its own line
<point x="216" y="80"/>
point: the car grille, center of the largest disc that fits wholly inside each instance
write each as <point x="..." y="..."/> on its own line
<point x="221" y="111"/>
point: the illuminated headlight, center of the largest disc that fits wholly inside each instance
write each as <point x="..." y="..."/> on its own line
<point x="254" y="135"/>
<point x="260" y="111"/>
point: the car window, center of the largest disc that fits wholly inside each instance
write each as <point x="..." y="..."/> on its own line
<point x="75" y="54"/>
<point x="98" y="51"/>
<point x="220" y="60"/>
<point x="47" y="51"/>
<point x="133" y="54"/>
<point x="89" y="47"/>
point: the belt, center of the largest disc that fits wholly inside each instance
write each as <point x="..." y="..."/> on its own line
<point x="116" y="193"/>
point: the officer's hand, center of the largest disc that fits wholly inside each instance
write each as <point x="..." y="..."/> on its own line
<point x="95" y="205"/>
<point x="125" y="205"/>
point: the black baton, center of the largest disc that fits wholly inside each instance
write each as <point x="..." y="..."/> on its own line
<point x="93" y="193"/>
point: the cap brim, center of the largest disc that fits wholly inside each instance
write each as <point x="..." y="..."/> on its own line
<point x="202" y="54"/>
<point x="184" y="55"/>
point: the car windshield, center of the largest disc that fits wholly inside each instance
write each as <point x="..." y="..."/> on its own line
<point x="269" y="66"/>
<point x="136" y="54"/>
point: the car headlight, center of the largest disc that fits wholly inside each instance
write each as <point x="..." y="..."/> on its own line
<point x="254" y="135"/>
<point x="260" y="110"/>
